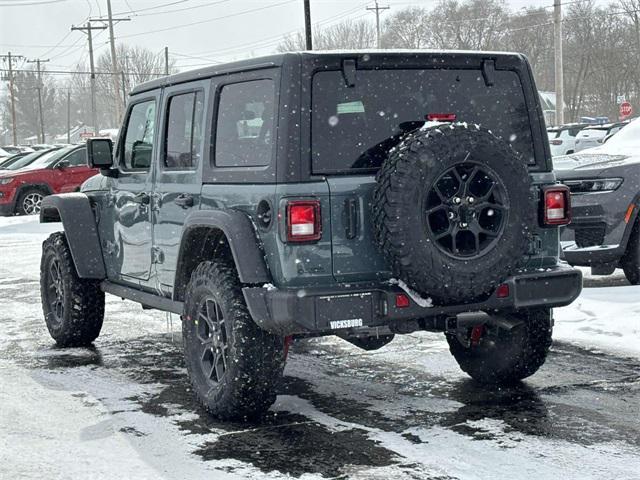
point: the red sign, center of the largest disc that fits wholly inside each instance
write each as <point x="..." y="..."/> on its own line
<point x="87" y="134"/>
<point x="625" y="110"/>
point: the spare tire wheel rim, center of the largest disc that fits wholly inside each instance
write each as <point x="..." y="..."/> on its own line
<point x="466" y="210"/>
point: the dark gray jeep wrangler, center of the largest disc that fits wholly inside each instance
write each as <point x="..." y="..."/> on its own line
<point x="361" y="194"/>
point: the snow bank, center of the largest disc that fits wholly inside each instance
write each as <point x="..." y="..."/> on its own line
<point x="604" y="319"/>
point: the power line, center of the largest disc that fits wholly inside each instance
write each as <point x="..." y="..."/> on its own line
<point x="25" y="4"/>
<point x="231" y="15"/>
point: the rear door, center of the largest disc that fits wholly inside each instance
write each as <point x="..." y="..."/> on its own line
<point x="177" y="185"/>
<point x="356" y="123"/>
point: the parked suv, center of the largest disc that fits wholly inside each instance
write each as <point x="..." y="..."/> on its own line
<point x="24" y="186"/>
<point x="595" y="135"/>
<point x="605" y="186"/>
<point x="562" y="139"/>
<point x="356" y="194"/>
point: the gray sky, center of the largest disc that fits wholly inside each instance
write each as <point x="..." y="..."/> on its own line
<point x="220" y="30"/>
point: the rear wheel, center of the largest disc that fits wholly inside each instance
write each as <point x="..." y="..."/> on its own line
<point x="73" y="307"/>
<point x="234" y="366"/>
<point x="500" y="356"/>
<point x="630" y="262"/>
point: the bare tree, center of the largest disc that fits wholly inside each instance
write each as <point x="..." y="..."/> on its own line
<point x="350" y="34"/>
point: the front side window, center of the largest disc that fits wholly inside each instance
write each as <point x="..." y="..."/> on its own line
<point x="77" y="158"/>
<point x="183" y="137"/>
<point x="244" y="131"/>
<point x="140" y="132"/>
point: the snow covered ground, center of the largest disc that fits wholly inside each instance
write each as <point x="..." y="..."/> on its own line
<point x="123" y="409"/>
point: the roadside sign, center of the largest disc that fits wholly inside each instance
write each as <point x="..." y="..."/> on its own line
<point x="620" y="99"/>
<point x="87" y="134"/>
<point x="625" y="110"/>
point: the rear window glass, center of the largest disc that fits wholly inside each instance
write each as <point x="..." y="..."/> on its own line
<point x="353" y="128"/>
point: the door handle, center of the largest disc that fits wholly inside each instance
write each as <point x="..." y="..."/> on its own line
<point x="184" y="200"/>
<point x="142" y="198"/>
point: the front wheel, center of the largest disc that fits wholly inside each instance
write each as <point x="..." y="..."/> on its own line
<point x="30" y="202"/>
<point x="73" y="307"/>
<point x="494" y="355"/>
<point x="234" y="366"/>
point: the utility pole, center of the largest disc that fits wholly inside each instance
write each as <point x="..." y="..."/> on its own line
<point x="38" y="61"/>
<point x="68" y="115"/>
<point x="307" y="25"/>
<point x="89" y="28"/>
<point x="557" y="44"/>
<point x="377" y="9"/>
<point x="12" y="93"/>
<point x="114" y="62"/>
<point x="166" y="60"/>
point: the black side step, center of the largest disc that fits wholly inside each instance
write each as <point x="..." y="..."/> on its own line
<point x="146" y="299"/>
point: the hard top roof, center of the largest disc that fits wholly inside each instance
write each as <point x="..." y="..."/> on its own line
<point x="279" y="59"/>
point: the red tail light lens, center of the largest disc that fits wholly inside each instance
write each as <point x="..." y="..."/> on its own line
<point x="556" y="142"/>
<point x="441" y="117"/>
<point x="402" y="300"/>
<point x="557" y="205"/>
<point x="303" y="221"/>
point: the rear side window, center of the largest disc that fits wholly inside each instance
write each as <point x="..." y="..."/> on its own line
<point x="353" y="128"/>
<point x="244" y="129"/>
<point x="138" y="141"/>
<point x="183" y="137"/>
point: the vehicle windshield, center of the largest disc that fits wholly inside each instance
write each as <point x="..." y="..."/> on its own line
<point x="49" y="158"/>
<point x="21" y="162"/>
<point x="354" y="127"/>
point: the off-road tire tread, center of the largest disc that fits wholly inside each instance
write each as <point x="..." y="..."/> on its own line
<point x="257" y="355"/>
<point x="84" y="302"/>
<point x="396" y="180"/>
<point x="533" y="351"/>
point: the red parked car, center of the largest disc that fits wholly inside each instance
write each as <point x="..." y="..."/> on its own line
<point x="58" y="171"/>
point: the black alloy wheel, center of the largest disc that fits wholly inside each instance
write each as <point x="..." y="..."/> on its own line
<point x="212" y="334"/>
<point x="466" y="210"/>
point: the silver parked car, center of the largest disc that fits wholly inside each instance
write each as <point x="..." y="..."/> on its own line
<point x="595" y="135"/>
<point x="605" y="194"/>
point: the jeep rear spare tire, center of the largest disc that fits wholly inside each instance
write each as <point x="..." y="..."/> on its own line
<point x="453" y="209"/>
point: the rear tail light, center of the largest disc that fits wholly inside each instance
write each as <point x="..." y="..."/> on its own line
<point x="303" y="221"/>
<point x="441" y="117"/>
<point x="402" y="300"/>
<point x="556" y="142"/>
<point x="556" y="206"/>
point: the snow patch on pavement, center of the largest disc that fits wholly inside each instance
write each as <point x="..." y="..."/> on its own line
<point x="605" y="319"/>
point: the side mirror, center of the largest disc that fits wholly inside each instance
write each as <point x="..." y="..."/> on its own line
<point x="62" y="164"/>
<point x="100" y="153"/>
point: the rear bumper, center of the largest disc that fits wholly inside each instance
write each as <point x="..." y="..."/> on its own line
<point x="326" y="310"/>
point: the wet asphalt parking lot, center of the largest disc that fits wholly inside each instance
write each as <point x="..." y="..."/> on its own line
<point x="405" y="411"/>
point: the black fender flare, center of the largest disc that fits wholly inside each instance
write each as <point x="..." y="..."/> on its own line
<point x="241" y="237"/>
<point x="75" y="212"/>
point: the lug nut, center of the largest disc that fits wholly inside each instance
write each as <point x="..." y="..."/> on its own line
<point x="456" y="200"/>
<point x="452" y="215"/>
<point x="463" y="225"/>
<point x="471" y="199"/>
